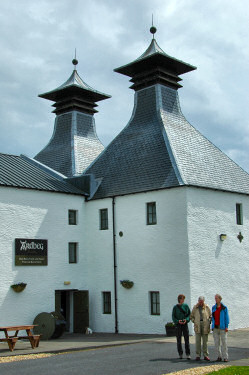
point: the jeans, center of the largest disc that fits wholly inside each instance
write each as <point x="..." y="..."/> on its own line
<point x="182" y="329"/>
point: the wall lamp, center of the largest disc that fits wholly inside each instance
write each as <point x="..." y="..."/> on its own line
<point x="223" y="237"/>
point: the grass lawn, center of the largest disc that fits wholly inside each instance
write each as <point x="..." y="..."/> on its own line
<point x="233" y="370"/>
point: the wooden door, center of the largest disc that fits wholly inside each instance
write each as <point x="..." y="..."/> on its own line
<point x="81" y="311"/>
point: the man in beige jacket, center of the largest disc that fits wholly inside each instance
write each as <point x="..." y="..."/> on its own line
<point x="201" y="317"/>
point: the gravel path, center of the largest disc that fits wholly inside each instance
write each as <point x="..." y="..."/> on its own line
<point x="24" y="357"/>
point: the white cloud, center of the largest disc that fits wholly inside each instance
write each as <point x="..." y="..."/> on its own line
<point x="37" y="42"/>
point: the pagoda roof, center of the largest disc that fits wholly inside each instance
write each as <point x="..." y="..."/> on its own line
<point x="74" y="86"/>
<point x="155" y="56"/>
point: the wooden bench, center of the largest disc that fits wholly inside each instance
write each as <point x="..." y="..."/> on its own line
<point x="12" y="339"/>
<point x="11" y="342"/>
<point x="34" y="340"/>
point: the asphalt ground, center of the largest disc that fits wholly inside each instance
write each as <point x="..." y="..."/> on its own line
<point x="119" y="354"/>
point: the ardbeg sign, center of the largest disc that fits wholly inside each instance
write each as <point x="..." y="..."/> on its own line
<point x="31" y="252"/>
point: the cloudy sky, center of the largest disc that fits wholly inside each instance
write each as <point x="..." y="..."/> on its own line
<point x="37" y="43"/>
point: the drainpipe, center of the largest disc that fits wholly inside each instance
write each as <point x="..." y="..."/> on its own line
<point x="115" y="265"/>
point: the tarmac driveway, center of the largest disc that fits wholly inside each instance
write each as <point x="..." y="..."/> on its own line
<point x="143" y="358"/>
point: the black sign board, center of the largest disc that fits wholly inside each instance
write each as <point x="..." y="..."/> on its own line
<point x="31" y="252"/>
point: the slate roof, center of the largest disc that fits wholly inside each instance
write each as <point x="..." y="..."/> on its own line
<point x="22" y="172"/>
<point x="155" y="66"/>
<point x="153" y="56"/>
<point x="159" y="149"/>
<point x="74" y="143"/>
<point x="73" y="146"/>
<point x="74" y="85"/>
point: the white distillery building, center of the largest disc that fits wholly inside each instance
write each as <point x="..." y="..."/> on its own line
<point x="161" y="207"/>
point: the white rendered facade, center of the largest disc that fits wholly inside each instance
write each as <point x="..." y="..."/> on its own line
<point x="219" y="266"/>
<point x="182" y="253"/>
<point x="35" y="214"/>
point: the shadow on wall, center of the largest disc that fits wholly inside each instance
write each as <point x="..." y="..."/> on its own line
<point x="218" y="248"/>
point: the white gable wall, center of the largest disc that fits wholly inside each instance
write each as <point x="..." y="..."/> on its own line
<point x="219" y="266"/>
<point x="41" y="215"/>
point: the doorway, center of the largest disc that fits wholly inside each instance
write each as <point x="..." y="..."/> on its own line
<point x="81" y="311"/>
<point x="74" y="306"/>
<point x="62" y="306"/>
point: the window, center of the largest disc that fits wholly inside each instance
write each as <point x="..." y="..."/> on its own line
<point x="72" y="252"/>
<point x="155" y="303"/>
<point x="107" y="303"/>
<point x="239" y="214"/>
<point x="103" y="218"/>
<point x="151" y="213"/>
<point x="72" y="217"/>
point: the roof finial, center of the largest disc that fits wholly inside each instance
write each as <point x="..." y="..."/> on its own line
<point x="153" y="28"/>
<point x="75" y="61"/>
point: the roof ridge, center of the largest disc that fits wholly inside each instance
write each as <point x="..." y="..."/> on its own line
<point x="43" y="167"/>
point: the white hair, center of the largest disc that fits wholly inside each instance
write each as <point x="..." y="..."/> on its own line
<point x="201" y="298"/>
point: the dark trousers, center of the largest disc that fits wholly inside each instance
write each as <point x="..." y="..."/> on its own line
<point x="182" y="329"/>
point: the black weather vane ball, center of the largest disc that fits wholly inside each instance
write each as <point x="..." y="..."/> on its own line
<point x="75" y="61"/>
<point x="153" y="30"/>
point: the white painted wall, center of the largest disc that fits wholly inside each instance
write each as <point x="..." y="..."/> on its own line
<point x="99" y="251"/>
<point x="154" y="257"/>
<point x="44" y="215"/>
<point x="216" y="266"/>
<point x="177" y="255"/>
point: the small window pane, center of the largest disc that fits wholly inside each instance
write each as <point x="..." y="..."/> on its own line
<point x="72" y="217"/>
<point x="107" y="303"/>
<point x="151" y="213"/>
<point x="72" y="250"/>
<point x="239" y="214"/>
<point x="103" y="217"/>
<point x="155" y="303"/>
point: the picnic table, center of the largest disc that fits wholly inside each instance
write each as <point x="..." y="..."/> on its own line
<point x="12" y="339"/>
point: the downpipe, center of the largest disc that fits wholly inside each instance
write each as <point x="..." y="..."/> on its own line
<point x="115" y="265"/>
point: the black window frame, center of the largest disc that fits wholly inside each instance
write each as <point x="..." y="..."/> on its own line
<point x="107" y="302"/>
<point x="239" y="214"/>
<point x="73" y="247"/>
<point x="151" y="213"/>
<point x="103" y="219"/>
<point x="72" y="217"/>
<point x="155" y="303"/>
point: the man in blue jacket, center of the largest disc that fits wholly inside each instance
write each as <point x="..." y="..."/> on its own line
<point x="220" y="322"/>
